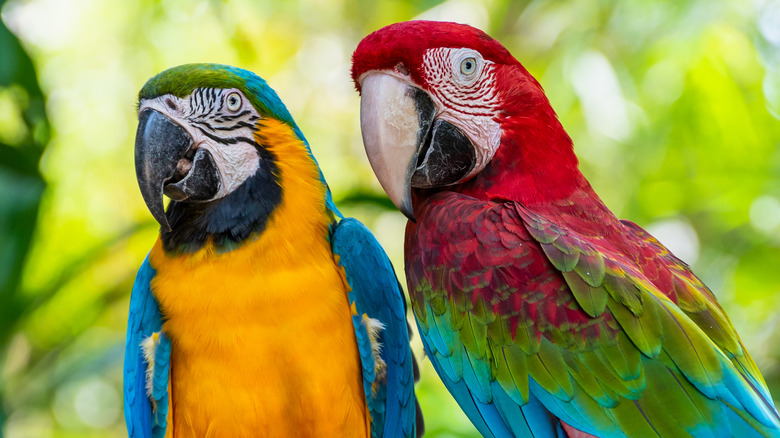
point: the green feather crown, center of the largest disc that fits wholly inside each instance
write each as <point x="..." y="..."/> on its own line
<point x="182" y="80"/>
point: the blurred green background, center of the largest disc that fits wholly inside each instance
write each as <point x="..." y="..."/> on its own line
<point x="673" y="107"/>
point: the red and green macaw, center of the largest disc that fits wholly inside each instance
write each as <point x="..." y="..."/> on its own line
<point x="543" y="313"/>
<point x="260" y="310"/>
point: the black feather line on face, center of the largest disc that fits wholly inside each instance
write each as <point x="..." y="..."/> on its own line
<point x="230" y="220"/>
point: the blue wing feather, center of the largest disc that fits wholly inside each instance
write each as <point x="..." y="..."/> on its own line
<point x="375" y="292"/>
<point x="143" y="421"/>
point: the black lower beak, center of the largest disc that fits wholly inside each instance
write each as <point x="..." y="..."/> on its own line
<point x="445" y="158"/>
<point x="165" y="162"/>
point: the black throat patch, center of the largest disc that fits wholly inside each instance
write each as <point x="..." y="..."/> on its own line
<point x="227" y="221"/>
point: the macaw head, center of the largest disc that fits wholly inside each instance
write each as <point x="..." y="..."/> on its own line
<point x="209" y="138"/>
<point x="444" y="104"/>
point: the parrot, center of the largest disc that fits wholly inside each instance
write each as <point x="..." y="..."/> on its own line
<point x="260" y="309"/>
<point x="542" y="313"/>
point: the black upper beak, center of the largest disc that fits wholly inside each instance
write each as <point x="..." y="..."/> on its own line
<point x="165" y="162"/>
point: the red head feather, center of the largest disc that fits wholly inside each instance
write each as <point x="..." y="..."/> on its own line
<point x="406" y="43"/>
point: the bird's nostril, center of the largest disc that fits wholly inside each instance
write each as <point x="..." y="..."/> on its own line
<point x="171" y="104"/>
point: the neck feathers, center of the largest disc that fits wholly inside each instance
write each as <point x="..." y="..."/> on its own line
<point x="535" y="162"/>
<point x="301" y="221"/>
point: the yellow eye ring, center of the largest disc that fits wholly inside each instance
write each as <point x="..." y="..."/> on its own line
<point x="233" y="102"/>
<point x="468" y="66"/>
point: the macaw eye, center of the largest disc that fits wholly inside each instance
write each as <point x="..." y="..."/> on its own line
<point x="468" y="66"/>
<point x="233" y="102"/>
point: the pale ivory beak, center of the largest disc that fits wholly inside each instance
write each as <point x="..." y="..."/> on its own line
<point x="390" y="122"/>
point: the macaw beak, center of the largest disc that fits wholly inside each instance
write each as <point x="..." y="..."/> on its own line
<point x="166" y="162"/>
<point x="405" y="143"/>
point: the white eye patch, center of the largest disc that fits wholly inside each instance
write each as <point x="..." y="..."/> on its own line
<point x="461" y="84"/>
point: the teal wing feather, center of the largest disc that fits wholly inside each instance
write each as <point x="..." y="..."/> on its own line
<point x="528" y="322"/>
<point x="145" y="417"/>
<point x="376" y="294"/>
<point x="697" y="301"/>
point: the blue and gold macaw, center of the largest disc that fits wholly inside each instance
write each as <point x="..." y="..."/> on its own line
<point x="260" y="310"/>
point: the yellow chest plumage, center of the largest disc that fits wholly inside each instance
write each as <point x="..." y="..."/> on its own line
<point x="262" y="336"/>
